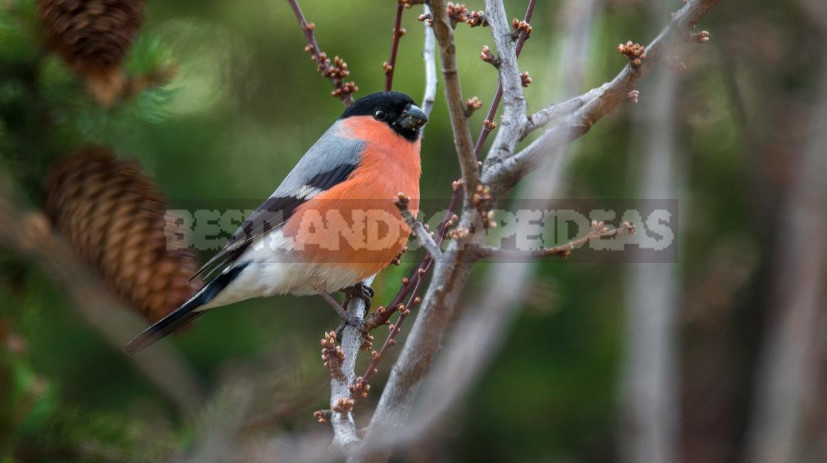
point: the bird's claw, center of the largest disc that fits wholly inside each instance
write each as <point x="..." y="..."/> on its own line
<point x="363" y="292"/>
<point x="360" y="290"/>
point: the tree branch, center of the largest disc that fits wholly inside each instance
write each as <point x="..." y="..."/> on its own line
<point x="424" y="237"/>
<point x="344" y="374"/>
<point x="418" y="354"/>
<point x="381" y="317"/>
<point x="444" y="33"/>
<point x="503" y="172"/>
<point x="599" y="231"/>
<point x="390" y="65"/>
<point x="555" y="111"/>
<point x="335" y="72"/>
<point x="429" y="97"/>
<point x="487" y="127"/>
<point x="510" y="83"/>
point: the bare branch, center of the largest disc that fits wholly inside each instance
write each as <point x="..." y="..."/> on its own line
<point x="345" y="386"/>
<point x="495" y="103"/>
<point x="429" y="97"/>
<point x="360" y="386"/>
<point x="599" y="231"/>
<point x="341" y="402"/>
<point x="425" y="238"/>
<point x="555" y="111"/>
<point x="335" y="72"/>
<point x="382" y="315"/>
<point x="502" y="173"/>
<point x="481" y="331"/>
<point x="398" y="32"/>
<point x="444" y="33"/>
<point x="335" y="305"/>
<point x="510" y="86"/>
<point x="414" y="361"/>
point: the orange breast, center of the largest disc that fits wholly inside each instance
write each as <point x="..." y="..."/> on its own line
<point x="355" y="224"/>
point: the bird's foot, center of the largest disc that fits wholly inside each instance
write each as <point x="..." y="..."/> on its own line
<point x="360" y="290"/>
<point x="363" y="292"/>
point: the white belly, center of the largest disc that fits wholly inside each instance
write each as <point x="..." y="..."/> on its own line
<point x="271" y="269"/>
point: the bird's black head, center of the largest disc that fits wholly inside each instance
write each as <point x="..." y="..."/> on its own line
<point x="393" y="108"/>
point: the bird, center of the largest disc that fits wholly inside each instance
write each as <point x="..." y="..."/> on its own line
<point x="329" y="225"/>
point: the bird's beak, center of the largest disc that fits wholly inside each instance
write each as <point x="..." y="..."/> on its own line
<point x="412" y="118"/>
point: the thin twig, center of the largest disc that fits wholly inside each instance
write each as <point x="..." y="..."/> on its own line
<point x="390" y="65"/>
<point x="381" y="317"/>
<point x="487" y="125"/>
<point x="425" y="238"/>
<point x="361" y="386"/>
<point x="335" y="305"/>
<point x="444" y="33"/>
<point x="335" y="72"/>
<point x="599" y="231"/>
<point x="554" y="112"/>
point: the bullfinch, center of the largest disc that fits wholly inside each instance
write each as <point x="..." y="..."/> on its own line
<point x="329" y="225"/>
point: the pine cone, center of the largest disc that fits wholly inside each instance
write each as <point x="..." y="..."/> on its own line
<point x="114" y="217"/>
<point x="93" y="37"/>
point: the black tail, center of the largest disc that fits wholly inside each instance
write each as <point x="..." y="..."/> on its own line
<point x="184" y="314"/>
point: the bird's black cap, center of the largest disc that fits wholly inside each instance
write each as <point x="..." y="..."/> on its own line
<point x="396" y="109"/>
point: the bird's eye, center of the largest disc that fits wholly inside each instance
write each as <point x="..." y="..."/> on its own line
<point x="380" y="115"/>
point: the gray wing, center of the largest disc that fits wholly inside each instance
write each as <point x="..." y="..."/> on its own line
<point x="327" y="163"/>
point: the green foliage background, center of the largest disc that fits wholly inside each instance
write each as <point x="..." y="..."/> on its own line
<point x="243" y="107"/>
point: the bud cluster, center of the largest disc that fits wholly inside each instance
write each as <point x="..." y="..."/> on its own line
<point x="521" y="26"/>
<point x="359" y="388"/>
<point x="459" y="13"/>
<point x="489" y="57"/>
<point x="482" y="201"/>
<point x="343" y="405"/>
<point x="526" y="79"/>
<point x="332" y="355"/>
<point x="335" y="70"/>
<point x="472" y="104"/>
<point x="322" y="415"/>
<point x="634" y="51"/>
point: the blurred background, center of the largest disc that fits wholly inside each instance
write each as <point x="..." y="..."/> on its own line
<point x="716" y="357"/>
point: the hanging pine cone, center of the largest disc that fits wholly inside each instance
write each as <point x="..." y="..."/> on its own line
<point x="114" y="216"/>
<point x="93" y="37"/>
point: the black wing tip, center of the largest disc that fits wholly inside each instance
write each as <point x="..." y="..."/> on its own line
<point x="137" y="345"/>
<point x="155" y="333"/>
<point x="184" y="314"/>
<point x="168" y="325"/>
